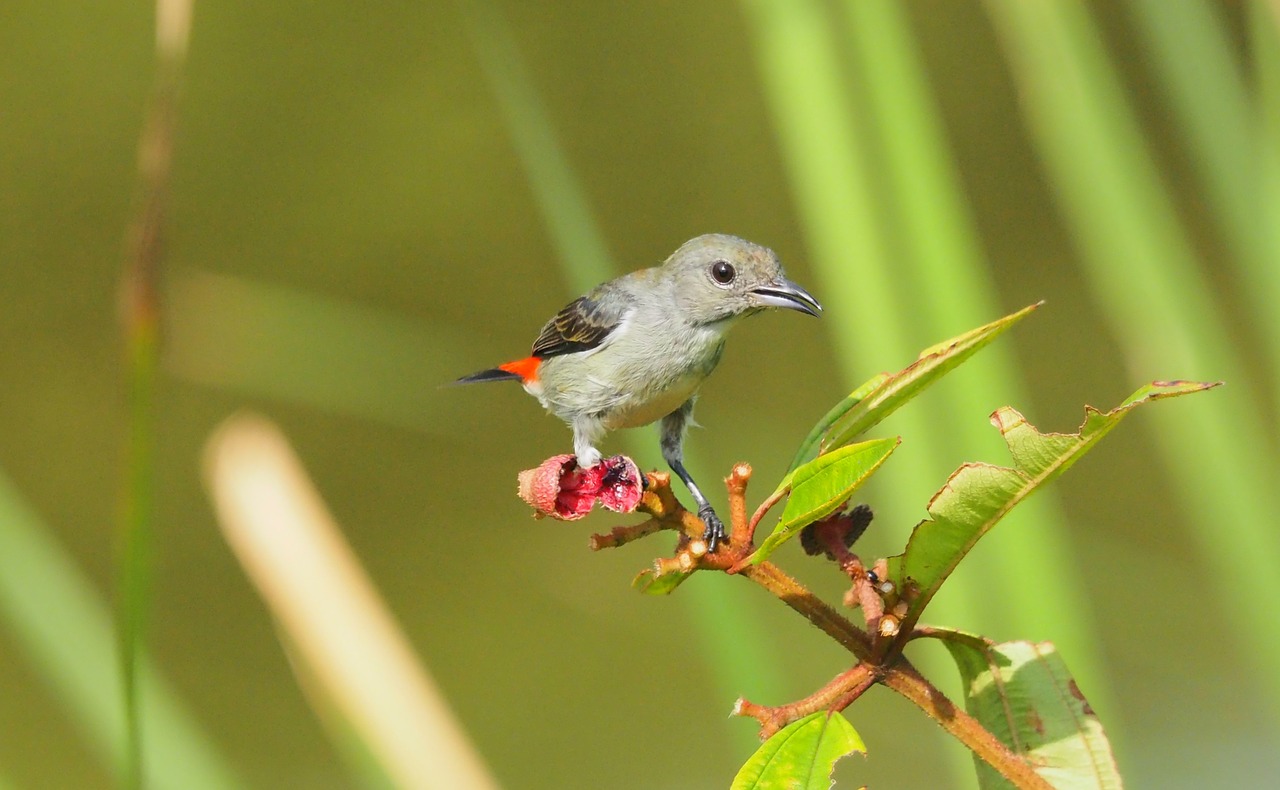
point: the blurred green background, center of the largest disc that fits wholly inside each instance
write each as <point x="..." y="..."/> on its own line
<point x="370" y="201"/>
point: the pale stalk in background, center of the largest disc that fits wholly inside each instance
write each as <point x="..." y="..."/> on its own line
<point x="294" y="553"/>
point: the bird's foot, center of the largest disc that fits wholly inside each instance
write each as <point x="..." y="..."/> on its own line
<point x="715" y="531"/>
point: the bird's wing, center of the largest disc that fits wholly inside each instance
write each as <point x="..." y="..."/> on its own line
<point x="582" y="325"/>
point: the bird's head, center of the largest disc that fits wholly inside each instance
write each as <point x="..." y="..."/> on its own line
<point x="718" y="277"/>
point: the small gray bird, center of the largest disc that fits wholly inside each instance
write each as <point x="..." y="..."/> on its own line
<point x="636" y="349"/>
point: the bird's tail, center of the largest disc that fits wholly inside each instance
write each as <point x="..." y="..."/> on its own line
<point x="522" y="370"/>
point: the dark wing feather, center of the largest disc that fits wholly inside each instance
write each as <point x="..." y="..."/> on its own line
<point x="582" y="325"/>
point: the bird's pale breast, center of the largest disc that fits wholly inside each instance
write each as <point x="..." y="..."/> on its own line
<point x="634" y="379"/>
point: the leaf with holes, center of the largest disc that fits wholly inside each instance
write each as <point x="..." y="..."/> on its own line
<point x="978" y="495"/>
<point x="800" y="756"/>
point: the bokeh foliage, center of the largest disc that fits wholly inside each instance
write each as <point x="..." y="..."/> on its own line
<point x="359" y="212"/>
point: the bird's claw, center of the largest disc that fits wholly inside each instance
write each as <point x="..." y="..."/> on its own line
<point x="715" y="531"/>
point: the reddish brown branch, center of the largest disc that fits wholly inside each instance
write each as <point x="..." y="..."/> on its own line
<point x="904" y="679"/>
<point x="765" y="507"/>
<point x="621" y="536"/>
<point x="741" y="533"/>
<point x="659" y="502"/>
<point x="880" y="657"/>
<point x="862" y="594"/>
<point x="814" y="609"/>
<point x="836" y="695"/>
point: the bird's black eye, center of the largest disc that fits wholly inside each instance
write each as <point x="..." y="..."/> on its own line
<point x="723" y="272"/>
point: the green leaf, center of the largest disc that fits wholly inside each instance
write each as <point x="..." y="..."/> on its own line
<point x="1023" y="693"/>
<point x="801" y="755"/>
<point x="650" y="582"/>
<point x="809" y="447"/>
<point x="978" y="495"/>
<point x="821" y="486"/>
<point x="909" y="382"/>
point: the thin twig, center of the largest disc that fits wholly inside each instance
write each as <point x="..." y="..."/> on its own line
<point x="621" y="536"/>
<point x="814" y="609"/>
<point x="766" y="506"/>
<point x="741" y="533"/>
<point x="836" y="695"/>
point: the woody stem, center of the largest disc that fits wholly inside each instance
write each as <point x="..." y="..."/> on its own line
<point x="814" y="609"/>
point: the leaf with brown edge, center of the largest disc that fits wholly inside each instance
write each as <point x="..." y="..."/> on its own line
<point x="978" y="495"/>
<point x="1023" y="694"/>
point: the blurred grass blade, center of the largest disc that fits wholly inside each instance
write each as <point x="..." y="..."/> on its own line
<point x="1023" y="693"/>
<point x="943" y="258"/>
<point x="141" y="302"/>
<point x="734" y="644"/>
<point x="1194" y="58"/>
<point x="801" y="755"/>
<point x="978" y="495"/>
<point x="136" y="536"/>
<point x="263" y="340"/>
<point x="559" y="194"/>
<point x="64" y="625"/>
<point x="1144" y="275"/>
<point x="819" y="140"/>
<point x="1264" y="39"/>
<point x="819" y="137"/>
<point x="294" y="553"/>
<point x="932" y="364"/>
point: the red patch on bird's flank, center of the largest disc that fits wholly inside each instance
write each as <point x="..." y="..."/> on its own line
<point x="526" y="369"/>
<point x="560" y="489"/>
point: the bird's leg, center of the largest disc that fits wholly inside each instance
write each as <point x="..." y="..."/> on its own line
<point x="673" y="426"/>
<point x="715" y="531"/>
<point x="587" y="430"/>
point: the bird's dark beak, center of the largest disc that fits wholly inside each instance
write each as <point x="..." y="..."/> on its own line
<point x="785" y="293"/>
